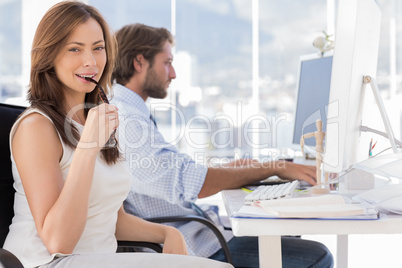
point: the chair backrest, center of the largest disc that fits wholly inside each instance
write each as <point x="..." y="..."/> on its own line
<point x="8" y="115"/>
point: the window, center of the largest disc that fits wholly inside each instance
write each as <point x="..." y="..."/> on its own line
<point x="211" y="102"/>
<point x="10" y="49"/>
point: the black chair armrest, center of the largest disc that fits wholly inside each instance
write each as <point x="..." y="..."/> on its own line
<point x="133" y="244"/>
<point x="208" y="223"/>
<point x="8" y="260"/>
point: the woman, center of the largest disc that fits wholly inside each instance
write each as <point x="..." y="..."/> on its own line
<point x="69" y="188"/>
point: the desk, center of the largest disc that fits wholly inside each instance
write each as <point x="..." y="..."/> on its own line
<point x="269" y="231"/>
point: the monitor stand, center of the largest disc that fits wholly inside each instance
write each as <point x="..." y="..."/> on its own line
<point x="361" y="181"/>
<point x="373" y="83"/>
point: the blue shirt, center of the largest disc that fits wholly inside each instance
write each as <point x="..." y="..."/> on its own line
<point x="164" y="181"/>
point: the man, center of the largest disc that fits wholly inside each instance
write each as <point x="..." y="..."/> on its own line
<point x="166" y="182"/>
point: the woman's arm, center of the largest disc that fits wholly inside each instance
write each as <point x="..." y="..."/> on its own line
<point x="132" y="228"/>
<point x="59" y="208"/>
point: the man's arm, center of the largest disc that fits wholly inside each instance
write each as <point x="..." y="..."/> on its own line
<point x="158" y="169"/>
<point x="222" y="178"/>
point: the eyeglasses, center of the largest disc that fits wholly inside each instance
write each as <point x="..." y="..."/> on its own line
<point x="112" y="142"/>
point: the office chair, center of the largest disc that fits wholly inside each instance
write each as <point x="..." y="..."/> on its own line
<point x="126" y="246"/>
<point x="8" y="115"/>
<point x="204" y="221"/>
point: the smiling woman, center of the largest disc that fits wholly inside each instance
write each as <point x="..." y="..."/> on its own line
<point x="75" y="45"/>
<point x="80" y="58"/>
<point x="70" y="189"/>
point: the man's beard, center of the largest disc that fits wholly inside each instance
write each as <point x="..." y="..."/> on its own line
<point x="154" y="86"/>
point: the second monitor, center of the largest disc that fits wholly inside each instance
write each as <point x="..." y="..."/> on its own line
<point x="314" y="80"/>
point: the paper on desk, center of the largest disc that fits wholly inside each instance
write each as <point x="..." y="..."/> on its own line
<point x="386" y="199"/>
<point x="327" y="206"/>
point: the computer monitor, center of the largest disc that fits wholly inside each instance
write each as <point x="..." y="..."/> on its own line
<point x="313" y="84"/>
<point x="357" y="37"/>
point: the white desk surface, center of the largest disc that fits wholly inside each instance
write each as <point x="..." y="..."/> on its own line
<point x="270" y="230"/>
<point x="234" y="200"/>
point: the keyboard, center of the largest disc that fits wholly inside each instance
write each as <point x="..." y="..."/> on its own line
<point x="268" y="192"/>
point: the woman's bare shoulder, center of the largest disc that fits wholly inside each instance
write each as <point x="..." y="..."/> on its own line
<point x="36" y="128"/>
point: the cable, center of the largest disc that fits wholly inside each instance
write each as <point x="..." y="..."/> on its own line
<point x="382" y="151"/>
<point x="368" y="129"/>
<point x="344" y="173"/>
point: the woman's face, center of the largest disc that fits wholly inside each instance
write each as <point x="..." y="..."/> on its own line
<point x="84" y="55"/>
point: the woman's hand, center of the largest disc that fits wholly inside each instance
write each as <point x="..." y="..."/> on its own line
<point x="132" y="228"/>
<point x="174" y="242"/>
<point x="101" y="121"/>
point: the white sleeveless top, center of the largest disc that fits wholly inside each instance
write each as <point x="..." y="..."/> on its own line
<point x="110" y="187"/>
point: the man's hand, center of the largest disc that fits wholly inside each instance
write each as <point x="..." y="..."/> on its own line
<point x="291" y="171"/>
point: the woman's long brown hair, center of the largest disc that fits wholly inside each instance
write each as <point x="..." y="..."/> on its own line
<point x="45" y="90"/>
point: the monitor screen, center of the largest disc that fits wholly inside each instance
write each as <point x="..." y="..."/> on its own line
<point x="313" y="93"/>
<point x="357" y="38"/>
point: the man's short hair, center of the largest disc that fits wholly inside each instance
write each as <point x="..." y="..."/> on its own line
<point x="137" y="39"/>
